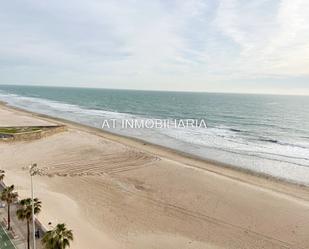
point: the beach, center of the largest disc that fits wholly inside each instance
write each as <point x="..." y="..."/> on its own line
<point x="119" y="192"/>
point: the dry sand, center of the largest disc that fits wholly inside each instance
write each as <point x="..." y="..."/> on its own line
<point x="116" y="192"/>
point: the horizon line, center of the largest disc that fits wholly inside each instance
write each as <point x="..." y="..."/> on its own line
<point x="160" y="90"/>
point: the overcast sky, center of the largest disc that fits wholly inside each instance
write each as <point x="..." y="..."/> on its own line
<point x="224" y="45"/>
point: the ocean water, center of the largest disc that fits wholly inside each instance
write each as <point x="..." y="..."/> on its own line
<point x="267" y="134"/>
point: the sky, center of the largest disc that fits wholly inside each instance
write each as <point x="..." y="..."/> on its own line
<point x="255" y="46"/>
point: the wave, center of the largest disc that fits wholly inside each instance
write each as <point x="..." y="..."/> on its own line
<point x="235" y="130"/>
<point x="36" y="105"/>
<point x="269" y="140"/>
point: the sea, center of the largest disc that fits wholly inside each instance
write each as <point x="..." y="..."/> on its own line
<point x="266" y="134"/>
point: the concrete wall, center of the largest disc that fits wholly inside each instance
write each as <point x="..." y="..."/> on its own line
<point x="32" y="135"/>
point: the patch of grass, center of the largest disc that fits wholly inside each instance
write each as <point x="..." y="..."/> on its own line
<point x="13" y="130"/>
<point x="8" y="130"/>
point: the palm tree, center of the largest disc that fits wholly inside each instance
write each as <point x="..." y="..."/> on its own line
<point x="2" y="175"/>
<point x="24" y="212"/>
<point x="58" y="238"/>
<point x="9" y="196"/>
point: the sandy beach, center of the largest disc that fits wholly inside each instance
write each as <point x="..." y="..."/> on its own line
<point x="115" y="192"/>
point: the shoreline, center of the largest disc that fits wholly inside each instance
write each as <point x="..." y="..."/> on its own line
<point x="169" y="153"/>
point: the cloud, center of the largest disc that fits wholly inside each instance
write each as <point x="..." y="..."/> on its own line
<point x="170" y="44"/>
<point x="272" y="36"/>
